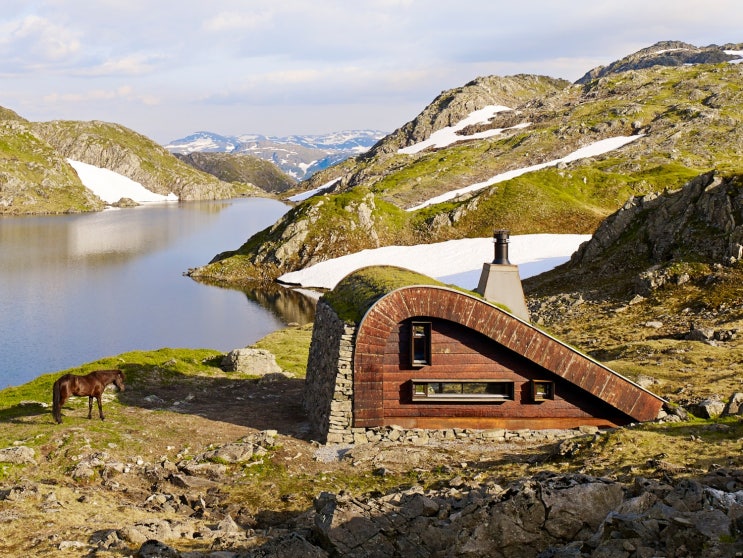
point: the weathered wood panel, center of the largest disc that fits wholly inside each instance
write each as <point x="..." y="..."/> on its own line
<point x="472" y="339"/>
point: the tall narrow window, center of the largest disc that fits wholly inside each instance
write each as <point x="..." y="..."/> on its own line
<point x="420" y="343"/>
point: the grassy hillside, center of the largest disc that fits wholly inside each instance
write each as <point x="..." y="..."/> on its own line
<point x="94" y="485"/>
<point x="35" y="178"/>
<point x="241" y="168"/>
<point x="689" y="120"/>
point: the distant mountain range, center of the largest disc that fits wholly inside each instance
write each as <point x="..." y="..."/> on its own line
<point x="299" y="156"/>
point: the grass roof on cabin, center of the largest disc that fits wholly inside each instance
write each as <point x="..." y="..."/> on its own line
<point x="359" y="290"/>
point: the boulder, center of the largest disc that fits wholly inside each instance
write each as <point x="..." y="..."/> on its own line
<point x="735" y="405"/>
<point x="18" y="455"/>
<point x="708" y="408"/>
<point x="256" y="362"/>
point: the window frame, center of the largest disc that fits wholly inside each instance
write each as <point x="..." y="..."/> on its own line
<point x="449" y="397"/>
<point x="420" y="334"/>
<point x="536" y="396"/>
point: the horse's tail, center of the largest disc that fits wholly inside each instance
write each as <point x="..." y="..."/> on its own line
<point x="56" y="400"/>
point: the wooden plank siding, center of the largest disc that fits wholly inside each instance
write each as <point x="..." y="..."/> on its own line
<point x="471" y="340"/>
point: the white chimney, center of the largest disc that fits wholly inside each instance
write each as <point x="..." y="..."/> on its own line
<point x="500" y="281"/>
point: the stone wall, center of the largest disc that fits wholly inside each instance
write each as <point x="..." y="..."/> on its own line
<point x="328" y="397"/>
<point x="328" y="392"/>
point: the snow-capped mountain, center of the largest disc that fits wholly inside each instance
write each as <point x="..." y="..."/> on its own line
<point x="299" y="156"/>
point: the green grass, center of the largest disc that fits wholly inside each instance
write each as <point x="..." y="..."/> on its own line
<point x="290" y="346"/>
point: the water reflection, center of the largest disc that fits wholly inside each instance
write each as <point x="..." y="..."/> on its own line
<point x="289" y="305"/>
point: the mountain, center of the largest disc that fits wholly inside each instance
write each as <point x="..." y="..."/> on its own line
<point x="240" y="167"/>
<point x="512" y="160"/>
<point x="299" y="156"/>
<point x="668" y="53"/>
<point x="35" y="176"/>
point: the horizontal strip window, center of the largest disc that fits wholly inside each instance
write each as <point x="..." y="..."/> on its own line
<point x="462" y="390"/>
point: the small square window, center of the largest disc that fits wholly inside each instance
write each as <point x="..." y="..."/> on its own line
<point x="542" y="390"/>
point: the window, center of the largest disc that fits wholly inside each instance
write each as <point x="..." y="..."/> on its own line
<point x="465" y="390"/>
<point x="420" y="343"/>
<point x="542" y="390"/>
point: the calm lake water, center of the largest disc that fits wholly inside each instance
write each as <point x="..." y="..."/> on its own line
<point x="77" y="288"/>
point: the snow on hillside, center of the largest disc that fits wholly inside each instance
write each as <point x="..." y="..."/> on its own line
<point x="111" y="186"/>
<point x="455" y="262"/>
<point x="449" y="135"/>
<point x="310" y="193"/>
<point x="597" y="148"/>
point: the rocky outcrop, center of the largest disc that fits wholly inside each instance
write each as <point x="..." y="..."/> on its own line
<point x="665" y="53"/>
<point x="703" y="219"/>
<point x="453" y="105"/>
<point x="34" y="177"/>
<point x="548" y="516"/>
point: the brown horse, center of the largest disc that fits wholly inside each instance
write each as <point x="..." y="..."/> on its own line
<point x="91" y="385"/>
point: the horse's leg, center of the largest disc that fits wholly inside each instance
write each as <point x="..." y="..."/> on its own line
<point x="100" y="407"/>
<point x="90" y="407"/>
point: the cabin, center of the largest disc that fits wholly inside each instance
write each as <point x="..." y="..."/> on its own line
<point x="394" y="348"/>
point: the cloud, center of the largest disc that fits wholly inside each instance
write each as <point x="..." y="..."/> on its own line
<point x="238" y="63"/>
<point x="134" y="64"/>
<point x="235" y="20"/>
<point x="32" y="42"/>
<point x="122" y="93"/>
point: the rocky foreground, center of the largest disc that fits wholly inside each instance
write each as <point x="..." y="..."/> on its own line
<point x="549" y="515"/>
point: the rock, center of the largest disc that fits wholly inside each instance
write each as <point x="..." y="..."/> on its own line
<point x="292" y="545"/>
<point x="256" y="362"/>
<point x="125" y="202"/>
<point x="708" y="408"/>
<point x="229" y="453"/>
<point x="734" y="405"/>
<point x="18" y="455"/>
<point x="156" y="549"/>
<point x="700" y="334"/>
<point x="213" y="471"/>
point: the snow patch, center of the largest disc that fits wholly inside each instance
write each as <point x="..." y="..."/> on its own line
<point x="455" y="262"/>
<point x="447" y="136"/>
<point x="111" y="186"/>
<point x="310" y="193"/>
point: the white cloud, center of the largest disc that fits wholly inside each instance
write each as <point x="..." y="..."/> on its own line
<point x="234" y="20"/>
<point x="34" y="41"/>
<point x="133" y="64"/>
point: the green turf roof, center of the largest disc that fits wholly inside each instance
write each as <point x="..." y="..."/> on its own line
<point x="359" y="290"/>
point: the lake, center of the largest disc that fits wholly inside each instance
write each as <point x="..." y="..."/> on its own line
<point x="76" y="288"/>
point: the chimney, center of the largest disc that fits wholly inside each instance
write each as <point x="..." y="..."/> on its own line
<point x="500" y="241"/>
<point x="500" y="282"/>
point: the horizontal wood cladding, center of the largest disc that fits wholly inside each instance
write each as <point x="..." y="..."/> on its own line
<point x="471" y="339"/>
<point x="489" y="423"/>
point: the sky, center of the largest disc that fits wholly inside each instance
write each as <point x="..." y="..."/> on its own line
<point x="168" y="68"/>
